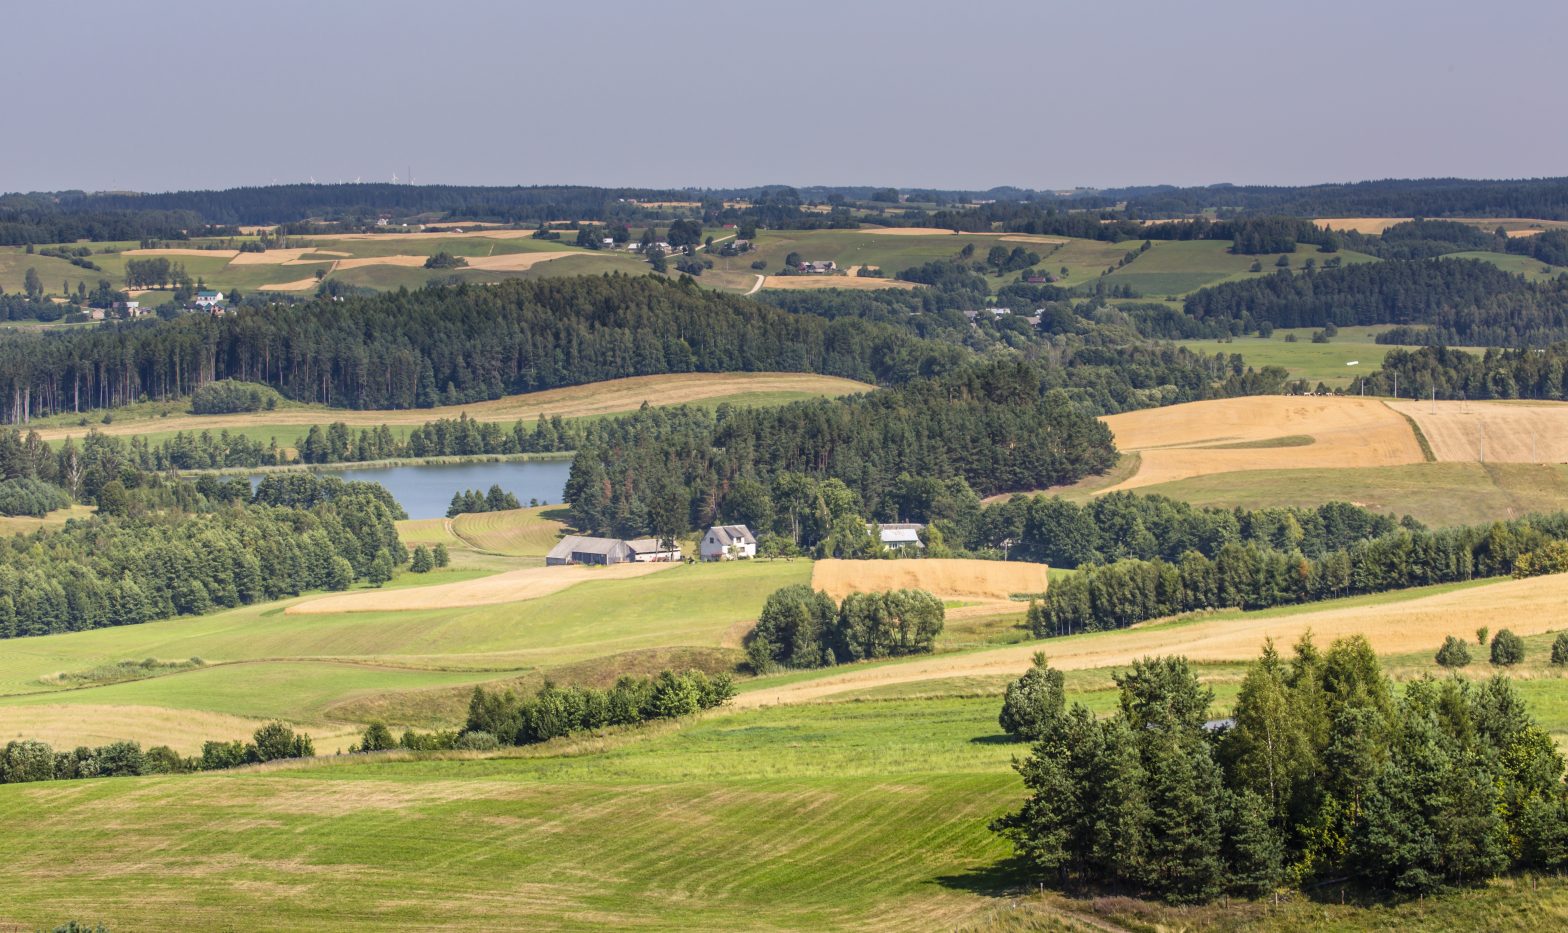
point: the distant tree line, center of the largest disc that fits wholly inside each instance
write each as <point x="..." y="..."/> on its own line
<point x="559" y="711"/>
<point x="1257" y="576"/>
<point x="451" y="345"/>
<point x="1122" y="525"/>
<point x="1325" y="773"/>
<point x="1435" y="301"/>
<point x="1449" y="373"/>
<point x="801" y="628"/>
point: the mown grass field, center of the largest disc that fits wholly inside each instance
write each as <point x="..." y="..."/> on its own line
<point x="1172" y="268"/>
<point x="1337" y="364"/>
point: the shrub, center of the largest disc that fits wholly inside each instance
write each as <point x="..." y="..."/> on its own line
<point x="1507" y="649"/>
<point x="377" y="738"/>
<point x="1560" y="649"/>
<point x="227" y="396"/>
<point x="478" y="742"/>
<point x="276" y="740"/>
<point x="1454" y="653"/>
<point x="33" y="497"/>
<point x="445" y="260"/>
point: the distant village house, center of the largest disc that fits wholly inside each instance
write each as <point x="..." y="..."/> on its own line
<point x="898" y="535"/>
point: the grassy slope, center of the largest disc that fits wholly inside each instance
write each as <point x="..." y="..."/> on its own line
<point x="1435" y="493"/>
<point x="299" y="666"/>
<point x="1303" y="359"/>
<point x="833" y="816"/>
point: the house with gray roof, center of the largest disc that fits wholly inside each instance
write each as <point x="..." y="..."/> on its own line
<point x="728" y="542"/>
<point x="898" y="534"/>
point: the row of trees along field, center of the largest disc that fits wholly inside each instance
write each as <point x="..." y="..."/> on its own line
<point x="161" y="548"/>
<point x="802" y="628"/>
<point x="1325" y="773"/>
<point x="509" y="719"/>
<point x="1255" y="576"/>
<point x="998" y="427"/>
<point x="1538" y="373"/>
<point x="24" y="761"/>
<point x="448" y="345"/>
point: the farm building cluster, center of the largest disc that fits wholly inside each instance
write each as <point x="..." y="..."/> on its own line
<point x="722" y="542"/>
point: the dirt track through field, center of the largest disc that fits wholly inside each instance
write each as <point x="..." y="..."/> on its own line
<point x="1496" y="432"/>
<point x="1200" y="438"/>
<point x="510" y="587"/>
<point x="1528" y="607"/>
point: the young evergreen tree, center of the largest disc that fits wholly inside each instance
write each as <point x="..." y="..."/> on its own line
<point x="440" y="556"/>
<point x="421" y="561"/>
<point x="1035" y="704"/>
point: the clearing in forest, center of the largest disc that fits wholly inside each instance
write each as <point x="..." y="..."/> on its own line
<point x="1492" y="432"/>
<point x="513" y="586"/>
<point x="1262" y="432"/>
<point x="1394" y="625"/>
<point x="513" y="532"/>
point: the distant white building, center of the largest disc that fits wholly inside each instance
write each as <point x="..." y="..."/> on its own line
<point x="728" y="542"/>
<point x="818" y="267"/>
<point x="898" y="534"/>
<point x="208" y="299"/>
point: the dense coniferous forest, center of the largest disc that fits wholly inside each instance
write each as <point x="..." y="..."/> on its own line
<point x="1441" y="300"/>
<point x="1326" y="772"/>
<point x="1447" y="373"/>
<point x="447" y="345"/>
<point x="1258" y="575"/>
<point x="125" y="570"/>
<point x="998" y="427"/>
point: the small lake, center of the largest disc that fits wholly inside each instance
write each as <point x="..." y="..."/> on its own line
<point x="425" y="490"/>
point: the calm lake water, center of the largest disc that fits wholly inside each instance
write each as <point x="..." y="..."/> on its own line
<point x="425" y="491"/>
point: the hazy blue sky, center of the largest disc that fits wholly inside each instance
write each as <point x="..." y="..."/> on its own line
<point x="157" y="95"/>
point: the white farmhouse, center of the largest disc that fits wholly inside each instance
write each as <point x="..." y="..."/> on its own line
<point x="728" y="542"/>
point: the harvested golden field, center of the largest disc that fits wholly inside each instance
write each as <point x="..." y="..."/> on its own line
<point x="1264" y="432"/>
<point x="514" y="532"/>
<point x="294" y="285"/>
<point x="1510" y="432"/>
<point x="414" y="262"/>
<point x="513" y="586"/>
<point x="598" y="398"/>
<point x="272" y="257"/>
<point x="796" y="282"/>
<point x="228" y="254"/>
<point x="985" y="585"/>
<point x="515" y="262"/>
<point x="1360" y="224"/>
<point x="1528" y="607"/>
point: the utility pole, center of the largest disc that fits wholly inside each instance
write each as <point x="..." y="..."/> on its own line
<point x="1396" y="384"/>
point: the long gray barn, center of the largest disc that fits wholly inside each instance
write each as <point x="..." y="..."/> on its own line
<point x="577" y="549"/>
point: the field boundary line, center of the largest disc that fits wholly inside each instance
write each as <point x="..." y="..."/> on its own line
<point x="1415" y="427"/>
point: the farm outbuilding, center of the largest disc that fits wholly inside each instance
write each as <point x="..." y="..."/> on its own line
<point x="577" y="549"/>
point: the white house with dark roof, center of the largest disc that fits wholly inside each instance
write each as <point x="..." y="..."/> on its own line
<point x="898" y="534"/>
<point x="728" y="542"/>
